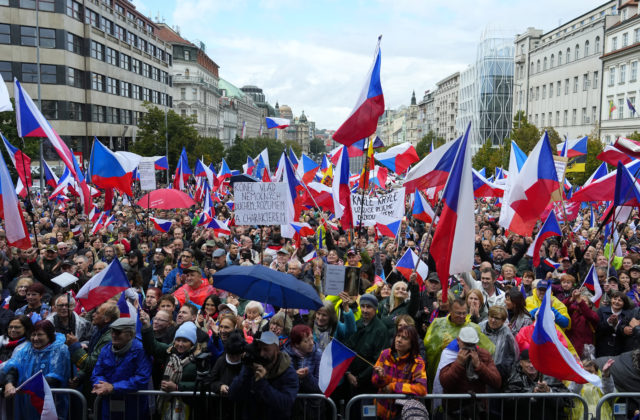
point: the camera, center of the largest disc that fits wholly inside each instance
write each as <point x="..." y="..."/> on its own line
<point x="245" y="254"/>
<point x="203" y="365"/>
<point x="252" y="355"/>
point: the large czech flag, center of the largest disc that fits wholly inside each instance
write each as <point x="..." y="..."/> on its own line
<point x="103" y="286"/>
<point x="453" y="243"/>
<point x="10" y="211"/>
<point x="398" y="158"/>
<point x="433" y="170"/>
<point x="273" y="122"/>
<point x="341" y="191"/>
<point x="549" y="228"/>
<point x="363" y="120"/>
<point x="547" y="353"/>
<point x="110" y="170"/>
<point x="334" y="363"/>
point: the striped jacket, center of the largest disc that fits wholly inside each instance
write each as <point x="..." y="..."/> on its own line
<point x="404" y="375"/>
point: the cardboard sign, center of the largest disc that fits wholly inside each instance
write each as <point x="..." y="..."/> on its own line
<point x="390" y="205"/>
<point x="147" y="171"/>
<point x="260" y="203"/>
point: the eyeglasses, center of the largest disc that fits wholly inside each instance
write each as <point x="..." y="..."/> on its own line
<point x="62" y="305"/>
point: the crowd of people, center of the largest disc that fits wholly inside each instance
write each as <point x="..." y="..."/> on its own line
<point x="193" y="336"/>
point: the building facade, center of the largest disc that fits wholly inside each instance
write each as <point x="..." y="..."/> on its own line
<point x="400" y="125"/>
<point x="301" y="130"/>
<point x="620" y="87"/>
<point x="248" y="115"/>
<point x="99" y="62"/>
<point x="446" y="106"/>
<point x="559" y="73"/>
<point x="426" y="114"/>
<point x="260" y="101"/>
<point x="195" y="82"/>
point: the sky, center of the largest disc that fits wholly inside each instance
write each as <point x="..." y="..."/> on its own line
<point x="313" y="55"/>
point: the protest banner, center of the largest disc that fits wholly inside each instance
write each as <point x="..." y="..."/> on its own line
<point x="147" y="172"/>
<point x="390" y="204"/>
<point x="260" y="203"/>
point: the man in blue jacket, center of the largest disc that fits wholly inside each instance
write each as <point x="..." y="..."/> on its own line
<point x="122" y="367"/>
<point x="271" y="384"/>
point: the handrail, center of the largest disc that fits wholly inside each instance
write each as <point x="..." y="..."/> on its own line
<point x="612" y="396"/>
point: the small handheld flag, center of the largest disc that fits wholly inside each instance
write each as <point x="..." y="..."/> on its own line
<point x="40" y="396"/>
<point x="334" y="362"/>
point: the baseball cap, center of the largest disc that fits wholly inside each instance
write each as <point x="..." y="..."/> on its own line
<point x="283" y="251"/>
<point x="210" y="242"/>
<point x="351" y="251"/>
<point x="469" y="335"/>
<point x="635" y="267"/>
<point x="542" y="284"/>
<point x="269" y="338"/>
<point x="219" y="253"/>
<point x="193" y="268"/>
<point x="229" y="306"/>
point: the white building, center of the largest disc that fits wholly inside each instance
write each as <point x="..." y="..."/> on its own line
<point x="620" y="69"/>
<point x="446" y="106"/>
<point x="426" y="114"/>
<point x="559" y="73"/>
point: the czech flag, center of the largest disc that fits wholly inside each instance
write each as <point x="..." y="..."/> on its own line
<point x="123" y="306"/>
<point x="220" y="227"/>
<point x="483" y="188"/>
<point x="547" y="353"/>
<point x="162" y="163"/>
<point x="592" y="284"/>
<point x="378" y="177"/>
<point x="225" y="172"/>
<point x="398" y="158"/>
<point x="572" y="148"/>
<point x="273" y="122"/>
<point x="433" y="170"/>
<point x="341" y="191"/>
<point x="182" y="171"/>
<point x="363" y="120"/>
<point x="551" y="264"/>
<point x="408" y="263"/>
<point x="10" y="211"/>
<point x="334" y="363"/>
<point x="310" y="256"/>
<point x="627" y="190"/>
<point x="161" y="225"/>
<point x="103" y="286"/>
<point x="303" y="229"/>
<point x="421" y="209"/>
<point x="294" y="158"/>
<point x="549" y="228"/>
<point x="388" y="226"/>
<point x="40" y="396"/>
<point x="319" y="194"/>
<point x="453" y="242"/>
<point x="307" y="169"/>
<point x="599" y="173"/>
<point x="613" y="155"/>
<point x="603" y="189"/>
<point x="628" y="146"/>
<point x="532" y="187"/>
<point x="248" y="167"/>
<point x="357" y="148"/>
<point x="110" y="170"/>
<point x="50" y="177"/>
<point x="20" y="161"/>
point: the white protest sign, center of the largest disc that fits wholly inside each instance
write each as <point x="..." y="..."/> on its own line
<point x="64" y="279"/>
<point x="260" y="203"/>
<point x="334" y="279"/>
<point x="147" y="171"/>
<point x="390" y="204"/>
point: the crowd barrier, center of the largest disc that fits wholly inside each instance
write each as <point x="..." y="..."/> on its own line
<point x="620" y="405"/>
<point x="536" y="406"/>
<point x="77" y="404"/>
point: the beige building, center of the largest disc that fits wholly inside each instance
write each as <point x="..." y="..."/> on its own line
<point x="99" y="61"/>
<point x="446" y="106"/>
<point x="400" y="125"/>
<point x="301" y="130"/>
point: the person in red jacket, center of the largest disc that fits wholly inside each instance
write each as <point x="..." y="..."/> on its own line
<point x="584" y="320"/>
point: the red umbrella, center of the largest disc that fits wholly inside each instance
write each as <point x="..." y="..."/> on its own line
<point x="166" y="199"/>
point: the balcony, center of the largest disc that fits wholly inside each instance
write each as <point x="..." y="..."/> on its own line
<point x="520" y="58"/>
<point x="195" y="80"/>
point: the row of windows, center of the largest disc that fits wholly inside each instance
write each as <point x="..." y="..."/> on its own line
<point x="550" y="62"/>
<point x="126" y="62"/>
<point x="118" y="87"/>
<point x="541" y="92"/>
<point x="74" y="111"/>
<point x="28" y="36"/>
<point x="29" y="72"/>
<point x="615" y="109"/>
<point x="624" y="38"/>
<point x="74" y="9"/>
<point x="546" y="119"/>
<point x="622" y="73"/>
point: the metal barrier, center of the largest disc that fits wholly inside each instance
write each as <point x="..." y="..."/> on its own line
<point x="231" y="412"/>
<point x="72" y="393"/>
<point x="477" y="406"/>
<point x="617" y="409"/>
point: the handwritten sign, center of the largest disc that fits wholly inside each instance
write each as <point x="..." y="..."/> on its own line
<point x="334" y="279"/>
<point x="147" y="171"/>
<point x="390" y="205"/>
<point x="260" y="203"/>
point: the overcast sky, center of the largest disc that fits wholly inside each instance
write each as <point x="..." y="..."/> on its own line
<point x="313" y="55"/>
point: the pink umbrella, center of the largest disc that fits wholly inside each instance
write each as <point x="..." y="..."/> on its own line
<point x="166" y="199"/>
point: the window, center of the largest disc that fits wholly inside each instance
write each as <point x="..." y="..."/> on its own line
<point x="614" y="43"/>
<point x="5" y="33"/>
<point x="125" y="89"/>
<point x="154" y="97"/>
<point x="557" y="117"/>
<point x="120" y="33"/>
<point x="575" y="84"/>
<point x="574" y="116"/>
<point x="74" y="9"/>
<point x="542" y="119"/>
<point x="112" y="56"/>
<point x="145" y="69"/>
<point x="544" y="91"/>
<point x="125" y="61"/>
<point x="634" y="71"/>
<point x="612" y="76"/>
<point x="50" y="109"/>
<point x="6" y="71"/>
<point x="91" y="18"/>
<point x="74" y="77"/>
<point x="625" y="39"/>
<point x="28" y="36"/>
<point x="538" y="66"/>
<point x="620" y="108"/>
<point x="29" y="73"/>
<point x="74" y="43"/>
<point x="594" y="114"/>
<point x="106" y="25"/>
<point x="183" y="93"/>
<point x="636" y="35"/>
<point x="131" y="38"/>
<point x="544" y="65"/>
<point x="126" y="116"/>
<point x="97" y="50"/>
<point x="113" y="115"/>
<point x="76" y="111"/>
<point x="585" y="119"/>
<point x="531" y="97"/>
<point x="559" y="87"/>
<point x="135" y="65"/>
<point x="552" y="61"/>
<point x="585" y="81"/>
<point x="97" y="82"/>
<point x="112" y="86"/>
<point x="595" y="80"/>
<point x="47" y="38"/>
<point x="44" y="5"/>
<point x="577" y="53"/>
<point x="145" y="94"/>
<point x="566" y="86"/>
<point x="120" y="9"/>
<point x="155" y="75"/>
<point x="550" y="90"/>
<point x="586" y="48"/>
<point x="623" y="73"/>
<point x="531" y="68"/>
<point x="135" y="92"/>
<point x="143" y="44"/>
<point x="187" y="58"/>
<point x="560" y="58"/>
<point x="98" y="113"/>
<point x="194" y="93"/>
<point x="597" y="45"/>
<point x="568" y="55"/>
<point x="565" y="117"/>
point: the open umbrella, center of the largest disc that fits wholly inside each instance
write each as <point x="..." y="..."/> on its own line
<point x="166" y="199"/>
<point x="263" y="284"/>
<point x="242" y="178"/>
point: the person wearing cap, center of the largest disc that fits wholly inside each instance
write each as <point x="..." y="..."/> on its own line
<point x="466" y="367"/>
<point x="533" y="302"/>
<point x="499" y="255"/>
<point x="175" y="278"/>
<point x="270" y="384"/>
<point x="281" y="263"/>
<point x="195" y="289"/>
<point x="122" y="368"/>
<point x="353" y="258"/>
<point x="219" y="259"/>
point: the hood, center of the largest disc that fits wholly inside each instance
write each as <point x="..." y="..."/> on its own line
<point x="281" y="365"/>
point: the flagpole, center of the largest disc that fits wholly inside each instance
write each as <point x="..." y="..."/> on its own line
<point x="28" y="204"/>
<point x="365" y="181"/>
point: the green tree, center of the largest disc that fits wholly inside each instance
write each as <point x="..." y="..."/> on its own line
<point x="316" y="147"/>
<point x="424" y="145"/>
<point x="210" y="149"/>
<point x="525" y="134"/>
<point x="488" y="157"/>
<point x="237" y="154"/>
<point x="634" y="136"/>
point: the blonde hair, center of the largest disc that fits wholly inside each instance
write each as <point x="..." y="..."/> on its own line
<point x="394" y="302"/>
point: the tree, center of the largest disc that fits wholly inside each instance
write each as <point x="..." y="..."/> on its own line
<point x="525" y="135"/>
<point x="488" y="157"/>
<point x="316" y="147"/>
<point x="237" y="154"/>
<point x="210" y="149"/>
<point x="424" y="145"/>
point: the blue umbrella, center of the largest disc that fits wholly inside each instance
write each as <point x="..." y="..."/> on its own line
<point x="263" y="284"/>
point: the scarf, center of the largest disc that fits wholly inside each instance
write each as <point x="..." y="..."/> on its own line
<point x="322" y="335"/>
<point x="123" y="350"/>
<point x="173" y="373"/>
